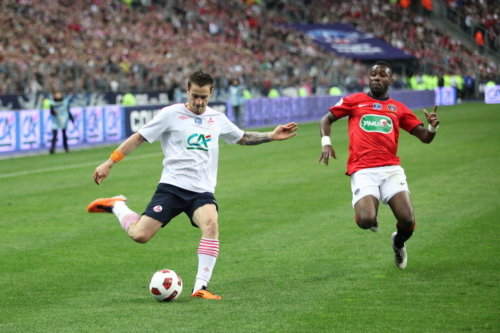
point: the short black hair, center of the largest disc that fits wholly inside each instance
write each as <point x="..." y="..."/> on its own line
<point x="201" y="79"/>
<point x="382" y="63"/>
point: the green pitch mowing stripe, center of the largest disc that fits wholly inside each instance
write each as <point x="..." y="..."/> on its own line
<point x="291" y="257"/>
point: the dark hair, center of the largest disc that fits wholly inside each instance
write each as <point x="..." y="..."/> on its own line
<point x="383" y="63"/>
<point x="201" y="79"/>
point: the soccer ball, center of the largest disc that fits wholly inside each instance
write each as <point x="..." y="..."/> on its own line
<point x="165" y="285"/>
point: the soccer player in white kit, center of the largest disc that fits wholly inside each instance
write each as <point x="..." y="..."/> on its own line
<point x="189" y="135"/>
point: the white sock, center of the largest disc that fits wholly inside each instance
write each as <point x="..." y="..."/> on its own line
<point x="208" y="251"/>
<point x="124" y="214"/>
<point x="199" y="284"/>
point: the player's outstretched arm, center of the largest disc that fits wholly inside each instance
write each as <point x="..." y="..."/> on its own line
<point x="282" y="132"/>
<point x="327" y="151"/>
<point x="128" y="146"/>
<point x="426" y="135"/>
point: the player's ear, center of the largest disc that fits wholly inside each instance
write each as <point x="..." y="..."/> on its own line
<point x="187" y="89"/>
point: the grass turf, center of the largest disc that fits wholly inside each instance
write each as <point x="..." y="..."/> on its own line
<point x="291" y="259"/>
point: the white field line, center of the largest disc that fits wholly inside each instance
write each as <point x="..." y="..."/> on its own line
<point x="72" y="166"/>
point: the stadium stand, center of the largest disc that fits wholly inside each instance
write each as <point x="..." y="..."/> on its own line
<point x="94" y="45"/>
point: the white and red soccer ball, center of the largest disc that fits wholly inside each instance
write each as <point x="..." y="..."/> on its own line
<point x="165" y="285"/>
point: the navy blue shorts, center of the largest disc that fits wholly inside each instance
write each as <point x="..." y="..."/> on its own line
<point x="169" y="201"/>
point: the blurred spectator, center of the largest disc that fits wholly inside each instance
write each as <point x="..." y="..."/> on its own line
<point x="397" y="82"/>
<point x="237" y="102"/>
<point x="128" y="99"/>
<point x="479" y="41"/>
<point x="468" y="86"/>
<point x="60" y="115"/>
<point x="335" y="91"/>
<point x="34" y="87"/>
<point x="273" y="93"/>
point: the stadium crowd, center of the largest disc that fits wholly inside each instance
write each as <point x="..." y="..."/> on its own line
<point x="407" y="31"/>
<point x="108" y="45"/>
<point x="477" y="15"/>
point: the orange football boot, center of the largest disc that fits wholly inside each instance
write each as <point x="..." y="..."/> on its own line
<point x="104" y="205"/>
<point x="204" y="293"/>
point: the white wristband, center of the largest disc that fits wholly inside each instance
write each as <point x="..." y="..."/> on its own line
<point x="325" y="140"/>
<point x="432" y="129"/>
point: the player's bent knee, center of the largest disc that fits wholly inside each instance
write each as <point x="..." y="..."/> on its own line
<point x="365" y="222"/>
<point x="407" y="223"/>
<point x="140" y="238"/>
<point x="212" y="229"/>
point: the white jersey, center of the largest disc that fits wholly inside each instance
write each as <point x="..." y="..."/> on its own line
<point x="190" y="143"/>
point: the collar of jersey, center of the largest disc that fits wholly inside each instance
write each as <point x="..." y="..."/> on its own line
<point x="185" y="105"/>
<point x="378" y="99"/>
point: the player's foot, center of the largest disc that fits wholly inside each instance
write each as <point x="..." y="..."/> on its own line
<point x="104" y="205"/>
<point x="204" y="293"/>
<point x="374" y="227"/>
<point x="400" y="255"/>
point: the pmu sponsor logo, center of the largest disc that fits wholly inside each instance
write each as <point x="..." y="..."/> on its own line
<point x="199" y="142"/>
<point x="376" y="123"/>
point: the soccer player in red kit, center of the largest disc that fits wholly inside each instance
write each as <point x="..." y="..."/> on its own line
<point x="376" y="174"/>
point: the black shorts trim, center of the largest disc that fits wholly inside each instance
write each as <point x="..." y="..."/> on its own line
<point x="169" y="201"/>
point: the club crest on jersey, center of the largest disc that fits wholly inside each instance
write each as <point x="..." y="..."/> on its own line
<point x="210" y="121"/>
<point x="199" y="141"/>
<point x="392" y="107"/>
<point x="377" y="106"/>
<point x="197" y="121"/>
<point x="376" y="123"/>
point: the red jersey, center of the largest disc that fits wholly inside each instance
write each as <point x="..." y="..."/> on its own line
<point x="373" y="129"/>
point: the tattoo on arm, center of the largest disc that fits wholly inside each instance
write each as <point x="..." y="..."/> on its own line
<point x="255" y="138"/>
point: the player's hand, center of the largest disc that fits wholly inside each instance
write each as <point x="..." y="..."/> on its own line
<point x="101" y="172"/>
<point x="283" y="132"/>
<point x="432" y="118"/>
<point x="326" y="153"/>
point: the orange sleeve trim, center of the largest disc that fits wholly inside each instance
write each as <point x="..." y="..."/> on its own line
<point x="117" y="156"/>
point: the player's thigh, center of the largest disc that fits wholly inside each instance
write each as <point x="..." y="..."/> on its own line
<point x="205" y="217"/>
<point x="365" y="189"/>
<point x="401" y="206"/>
<point x="145" y="228"/>
<point x="366" y="208"/>
<point x="394" y="183"/>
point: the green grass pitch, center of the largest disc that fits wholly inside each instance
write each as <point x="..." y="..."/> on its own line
<point x="291" y="258"/>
